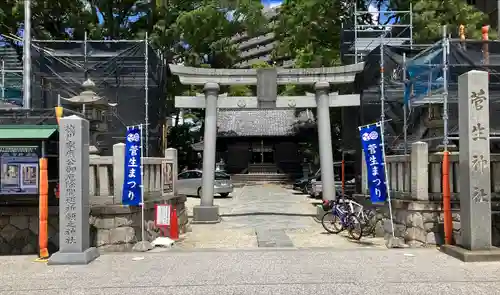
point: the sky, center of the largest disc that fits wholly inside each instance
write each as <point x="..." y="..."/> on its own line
<point x="271" y="3"/>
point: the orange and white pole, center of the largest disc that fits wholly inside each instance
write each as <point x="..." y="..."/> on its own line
<point x="43" y="238"/>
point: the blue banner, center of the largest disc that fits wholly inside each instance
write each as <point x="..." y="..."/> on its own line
<point x="132" y="184"/>
<point x="374" y="157"/>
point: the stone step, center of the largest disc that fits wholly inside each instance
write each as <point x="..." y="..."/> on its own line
<point x="263" y="168"/>
<point x="245" y="178"/>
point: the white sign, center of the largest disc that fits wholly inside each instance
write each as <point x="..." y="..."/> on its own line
<point x="162" y="215"/>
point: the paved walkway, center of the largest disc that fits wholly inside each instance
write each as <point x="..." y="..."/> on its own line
<point x="252" y="272"/>
<point x="267" y="216"/>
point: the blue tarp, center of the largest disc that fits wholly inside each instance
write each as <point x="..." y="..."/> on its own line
<point x="425" y="74"/>
<point x="13" y="95"/>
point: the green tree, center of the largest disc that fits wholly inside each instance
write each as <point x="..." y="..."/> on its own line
<point x="430" y="15"/>
<point x="199" y="33"/>
<point x="123" y="19"/>
<point x="50" y="19"/>
<point x="309" y="32"/>
<point x="182" y="138"/>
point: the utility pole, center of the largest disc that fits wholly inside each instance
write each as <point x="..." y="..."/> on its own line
<point x="27" y="55"/>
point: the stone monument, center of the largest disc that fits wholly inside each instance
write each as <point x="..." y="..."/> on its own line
<point x="74" y="209"/>
<point x="475" y="176"/>
<point x="266" y="81"/>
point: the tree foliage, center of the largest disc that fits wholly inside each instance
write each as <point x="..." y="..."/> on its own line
<point x="50" y="19"/>
<point x="200" y="32"/>
<point x="181" y="137"/>
<point x="309" y="31"/>
<point x="429" y="16"/>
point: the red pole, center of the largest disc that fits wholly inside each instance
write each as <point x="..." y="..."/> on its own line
<point x="343" y="177"/>
<point x="43" y="210"/>
<point x="174" y="225"/>
<point x="448" y="227"/>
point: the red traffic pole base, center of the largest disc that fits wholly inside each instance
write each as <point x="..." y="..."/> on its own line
<point x="448" y="224"/>
<point x="174" y="225"/>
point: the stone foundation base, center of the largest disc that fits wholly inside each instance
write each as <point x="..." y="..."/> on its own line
<point x="82" y="258"/>
<point x="206" y="214"/>
<point x="466" y="255"/>
<point x="420" y="223"/>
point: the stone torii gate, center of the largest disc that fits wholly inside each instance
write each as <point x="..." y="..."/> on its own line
<point x="266" y="80"/>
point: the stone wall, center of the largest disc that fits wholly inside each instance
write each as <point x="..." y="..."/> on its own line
<point x="420" y="223"/>
<point x="416" y="191"/>
<point x="19" y="230"/>
<point x="117" y="228"/>
<point x="113" y="227"/>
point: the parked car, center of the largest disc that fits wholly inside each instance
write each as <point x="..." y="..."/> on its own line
<point x="189" y="183"/>
<point x="301" y="184"/>
<point x="314" y="187"/>
<point x="315" y="190"/>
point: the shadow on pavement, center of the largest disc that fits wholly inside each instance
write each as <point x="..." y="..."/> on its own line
<point x="267" y="213"/>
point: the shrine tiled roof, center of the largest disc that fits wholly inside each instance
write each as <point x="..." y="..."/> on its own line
<point x="263" y="122"/>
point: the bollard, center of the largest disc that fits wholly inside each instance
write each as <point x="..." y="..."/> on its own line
<point x="174" y="225"/>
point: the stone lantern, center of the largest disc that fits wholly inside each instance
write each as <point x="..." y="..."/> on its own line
<point x="92" y="106"/>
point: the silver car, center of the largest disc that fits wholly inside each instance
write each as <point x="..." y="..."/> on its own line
<point x="189" y="183"/>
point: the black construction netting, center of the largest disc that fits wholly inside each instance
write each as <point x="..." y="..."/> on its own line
<point x="118" y="72"/>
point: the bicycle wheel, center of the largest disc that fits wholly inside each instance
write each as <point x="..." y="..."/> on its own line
<point x="369" y="221"/>
<point x="331" y="223"/>
<point x="355" y="227"/>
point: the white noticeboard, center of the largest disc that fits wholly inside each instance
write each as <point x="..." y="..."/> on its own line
<point x="162" y="215"/>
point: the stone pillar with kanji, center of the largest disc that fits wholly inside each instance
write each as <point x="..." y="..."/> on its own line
<point x="475" y="177"/>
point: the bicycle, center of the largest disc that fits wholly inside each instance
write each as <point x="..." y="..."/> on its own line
<point x="367" y="217"/>
<point x="341" y="219"/>
<point x="369" y="221"/>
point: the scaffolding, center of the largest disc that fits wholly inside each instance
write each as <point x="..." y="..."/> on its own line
<point x="360" y="37"/>
<point x="126" y="78"/>
<point x="433" y="78"/>
<point x="367" y="41"/>
<point x="11" y="74"/>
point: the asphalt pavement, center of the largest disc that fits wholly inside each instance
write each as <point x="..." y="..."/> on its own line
<point x="255" y="271"/>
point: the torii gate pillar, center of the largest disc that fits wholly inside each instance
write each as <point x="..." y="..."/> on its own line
<point x="207" y="212"/>
<point x="325" y="140"/>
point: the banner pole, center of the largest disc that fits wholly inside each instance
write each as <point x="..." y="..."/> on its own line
<point x="142" y="185"/>
<point x="405" y="110"/>
<point x="374" y="123"/>
<point x="382" y="122"/>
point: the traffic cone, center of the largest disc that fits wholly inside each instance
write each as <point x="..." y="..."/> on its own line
<point x="174" y="225"/>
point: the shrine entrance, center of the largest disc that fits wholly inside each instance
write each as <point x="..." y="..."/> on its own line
<point x="267" y="81"/>
<point x="261" y="153"/>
